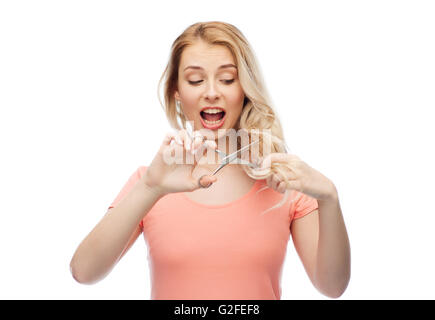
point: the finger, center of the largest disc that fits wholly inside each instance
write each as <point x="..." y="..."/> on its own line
<point x="275" y="181"/>
<point x="207" y="144"/>
<point x="258" y="160"/>
<point x="177" y="138"/>
<point x="187" y="142"/>
<point x="261" y="172"/>
<point x="278" y="157"/>
<point x="167" y="146"/>
<point x="198" y="140"/>
<point x="273" y="157"/>
<point x="210" y="144"/>
<point x="206" y="181"/>
<point x="269" y="181"/>
<point x="201" y="140"/>
<point x="281" y="187"/>
<point x="169" y="137"/>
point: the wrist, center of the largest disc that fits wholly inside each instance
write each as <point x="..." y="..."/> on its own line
<point x="152" y="188"/>
<point x="331" y="195"/>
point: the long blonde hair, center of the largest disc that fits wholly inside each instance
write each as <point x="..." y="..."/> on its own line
<point x="257" y="112"/>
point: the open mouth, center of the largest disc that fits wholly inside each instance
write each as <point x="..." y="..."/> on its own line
<point x="212" y="118"/>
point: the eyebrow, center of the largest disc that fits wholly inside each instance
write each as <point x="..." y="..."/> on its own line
<point x="230" y="65"/>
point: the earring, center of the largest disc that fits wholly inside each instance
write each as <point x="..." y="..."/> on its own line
<point x="180" y="115"/>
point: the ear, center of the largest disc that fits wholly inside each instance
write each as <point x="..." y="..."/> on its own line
<point x="176" y="95"/>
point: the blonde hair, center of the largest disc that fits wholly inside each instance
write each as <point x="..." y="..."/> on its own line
<point x="257" y="112"/>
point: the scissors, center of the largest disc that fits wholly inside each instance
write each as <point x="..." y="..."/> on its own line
<point x="227" y="159"/>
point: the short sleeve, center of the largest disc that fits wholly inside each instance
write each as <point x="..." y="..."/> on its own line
<point x="132" y="180"/>
<point x="302" y="205"/>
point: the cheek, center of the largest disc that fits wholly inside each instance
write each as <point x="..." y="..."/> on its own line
<point x="190" y="99"/>
<point x="235" y="99"/>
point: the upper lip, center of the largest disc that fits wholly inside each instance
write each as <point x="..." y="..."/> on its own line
<point x="209" y="107"/>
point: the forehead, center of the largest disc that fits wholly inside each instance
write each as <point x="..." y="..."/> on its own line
<point x="206" y="56"/>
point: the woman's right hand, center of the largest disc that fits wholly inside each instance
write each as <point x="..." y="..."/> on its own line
<point x="165" y="176"/>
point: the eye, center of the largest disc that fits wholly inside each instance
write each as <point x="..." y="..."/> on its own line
<point x="195" y="82"/>
<point x="199" y="81"/>
<point x="228" y="81"/>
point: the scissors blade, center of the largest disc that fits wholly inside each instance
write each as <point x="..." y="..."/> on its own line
<point x="220" y="153"/>
<point x="218" y="168"/>
<point x="241" y="161"/>
<point x="236" y="154"/>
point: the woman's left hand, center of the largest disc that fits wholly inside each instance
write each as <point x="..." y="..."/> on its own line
<point x="301" y="177"/>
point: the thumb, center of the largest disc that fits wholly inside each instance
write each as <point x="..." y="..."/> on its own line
<point x="167" y="140"/>
<point x="206" y="181"/>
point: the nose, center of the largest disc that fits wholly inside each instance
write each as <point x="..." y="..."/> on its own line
<point x="211" y="92"/>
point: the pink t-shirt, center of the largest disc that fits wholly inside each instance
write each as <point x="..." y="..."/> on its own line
<point x="222" y="252"/>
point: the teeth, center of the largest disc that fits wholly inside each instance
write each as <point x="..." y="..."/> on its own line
<point x="212" y="122"/>
<point x="212" y="111"/>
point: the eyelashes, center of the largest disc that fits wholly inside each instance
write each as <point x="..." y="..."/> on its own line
<point x="199" y="81"/>
<point x="194" y="82"/>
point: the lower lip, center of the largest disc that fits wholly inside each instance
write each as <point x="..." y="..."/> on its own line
<point x="213" y="126"/>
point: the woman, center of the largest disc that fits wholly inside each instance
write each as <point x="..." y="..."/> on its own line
<point x="206" y="235"/>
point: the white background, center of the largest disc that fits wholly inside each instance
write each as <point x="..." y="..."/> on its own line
<point x="353" y="83"/>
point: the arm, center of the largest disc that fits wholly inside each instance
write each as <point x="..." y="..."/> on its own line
<point x="99" y="252"/>
<point x="321" y="241"/>
<point x="118" y="229"/>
